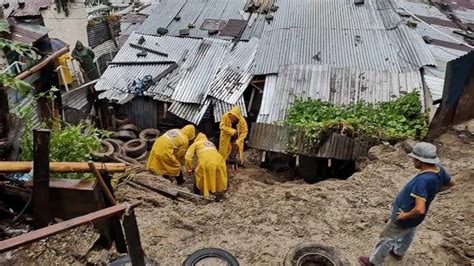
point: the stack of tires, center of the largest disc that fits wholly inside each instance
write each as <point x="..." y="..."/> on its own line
<point x="127" y="143"/>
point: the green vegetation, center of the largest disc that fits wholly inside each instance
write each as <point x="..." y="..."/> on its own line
<point x="68" y="143"/>
<point x="387" y="121"/>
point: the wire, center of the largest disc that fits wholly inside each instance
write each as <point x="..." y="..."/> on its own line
<point x="435" y="29"/>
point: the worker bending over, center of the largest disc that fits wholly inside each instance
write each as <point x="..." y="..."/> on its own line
<point x="168" y="152"/>
<point x="233" y="133"/>
<point x="211" y="172"/>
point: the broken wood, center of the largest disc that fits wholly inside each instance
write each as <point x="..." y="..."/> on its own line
<point x="43" y="63"/>
<point x="102" y="184"/>
<point x="162" y="191"/>
<point x="61" y="167"/>
<point x="136" y="46"/>
<point x="40" y="195"/>
<point x="36" y="235"/>
<point x="132" y="235"/>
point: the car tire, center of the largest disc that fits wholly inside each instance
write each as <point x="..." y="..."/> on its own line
<point x="313" y="253"/>
<point x="210" y="253"/>
<point x="103" y="156"/>
<point x="121" y="119"/>
<point x="149" y="135"/>
<point x="126" y="260"/>
<point x="130" y="127"/>
<point x="142" y="157"/>
<point x="134" y="148"/>
<point x="116" y="143"/>
<point x="124" y="135"/>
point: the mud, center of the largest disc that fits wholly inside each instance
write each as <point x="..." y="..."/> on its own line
<point x="263" y="216"/>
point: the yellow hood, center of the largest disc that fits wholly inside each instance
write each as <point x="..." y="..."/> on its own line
<point x="236" y="112"/>
<point x="200" y="137"/>
<point x="189" y="131"/>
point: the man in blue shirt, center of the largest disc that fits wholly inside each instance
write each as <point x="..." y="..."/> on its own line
<point x="411" y="205"/>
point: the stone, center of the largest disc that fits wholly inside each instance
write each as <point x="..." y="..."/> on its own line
<point x="162" y="31"/>
<point x="408" y="145"/>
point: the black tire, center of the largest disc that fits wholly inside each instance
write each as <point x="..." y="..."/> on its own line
<point x="130" y="127"/>
<point x="134" y="148"/>
<point x="210" y="253"/>
<point x="313" y="253"/>
<point x="125" y="260"/>
<point x="149" y="135"/>
<point x="143" y="157"/>
<point x="116" y="143"/>
<point x="103" y="156"/>
<point x="121" y="119"/>
<point x="124" y="135"/>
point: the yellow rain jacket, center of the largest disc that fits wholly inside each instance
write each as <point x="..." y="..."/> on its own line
<point x="168" y="151"/>
<point x="211" y="171"/>
<point x="227" y="132"/>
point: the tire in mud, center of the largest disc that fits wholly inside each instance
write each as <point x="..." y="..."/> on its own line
<point x="129" y="127"/>
<point x="204" y="253"/>
<point x="121" y="119"/>
<point x="149" y="135"/>
<point x="310" y="253"/>
<point x="134" y="148"/>
<point x="124" y="135"/>
<point x="104" y="154"/>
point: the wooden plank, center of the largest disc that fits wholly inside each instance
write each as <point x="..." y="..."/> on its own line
<point x="102" y="184"/>
<point x="136" y="46"/>
<point x="40" y="195"/>
<point x="36" y="235"/>
<point x="133" y="239"/>
<point x="61" y="167"/>
<point x="162" y="191"/>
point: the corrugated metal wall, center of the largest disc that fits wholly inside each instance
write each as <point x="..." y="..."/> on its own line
<point x="143" y="112"/>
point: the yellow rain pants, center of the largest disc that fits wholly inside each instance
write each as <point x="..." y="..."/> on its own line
<point x="211" y="171"/>
<point x="168" y="151"/>
<point x="227" y="132"/>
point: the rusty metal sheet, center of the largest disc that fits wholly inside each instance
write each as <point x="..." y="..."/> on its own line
<point x="234" y="27"/>
<point x="213" y="24"/>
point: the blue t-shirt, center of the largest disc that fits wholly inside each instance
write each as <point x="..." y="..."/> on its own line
<point x="424" y="185"/>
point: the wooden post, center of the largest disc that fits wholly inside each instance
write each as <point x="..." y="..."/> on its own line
<point x="4" y="111"/>
<point x="133" y="238"/>
<point x="40" y="195"/>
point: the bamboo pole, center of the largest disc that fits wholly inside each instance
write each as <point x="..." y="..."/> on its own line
<point x="60" y="167"/>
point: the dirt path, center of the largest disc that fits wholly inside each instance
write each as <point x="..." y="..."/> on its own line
<point x="263" y="217"/>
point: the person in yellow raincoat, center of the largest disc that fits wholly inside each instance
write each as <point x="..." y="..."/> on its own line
<point x="211" y="172"/>
<point x="168" y="152"/>
<point x="233" y="130"/>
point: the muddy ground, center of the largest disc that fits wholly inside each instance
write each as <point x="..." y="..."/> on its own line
<point x="263" y="216"/>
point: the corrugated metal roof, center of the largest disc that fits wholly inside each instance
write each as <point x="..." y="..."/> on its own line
<point x="339" y="86"/>
<point x="189" y="111"/>
<point x="31" y="8"/>
<point x="199" y="71"/>
<point x="175" y="47"/>
<point x="275" y="138"/>
<point x="339" y="33"/>
<point x="221" y="107"/>
<point x="25" y="33"/>
<point x="76" y="99"/>
<point x="194" y="12"/>
<point x="234" y="75"/>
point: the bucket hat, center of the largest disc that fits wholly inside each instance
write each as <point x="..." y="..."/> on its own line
<point x="425" y="152"/>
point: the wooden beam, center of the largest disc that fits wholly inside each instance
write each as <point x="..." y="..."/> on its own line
<point x="136" y="46"/>
<point x="61" y="167"/>
<point x="133" y="239"/>
<point x="130" y="63"/>
<point x="40" y="195"/>
<point x="43" y="63"/>
<point x="36" y="235"/>
<point x="102" y="184"/>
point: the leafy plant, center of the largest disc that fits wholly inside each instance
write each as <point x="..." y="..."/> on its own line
<point x="11" y="82"/>
<point x="69" y="143"/>
<point x="388" y="121"/>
